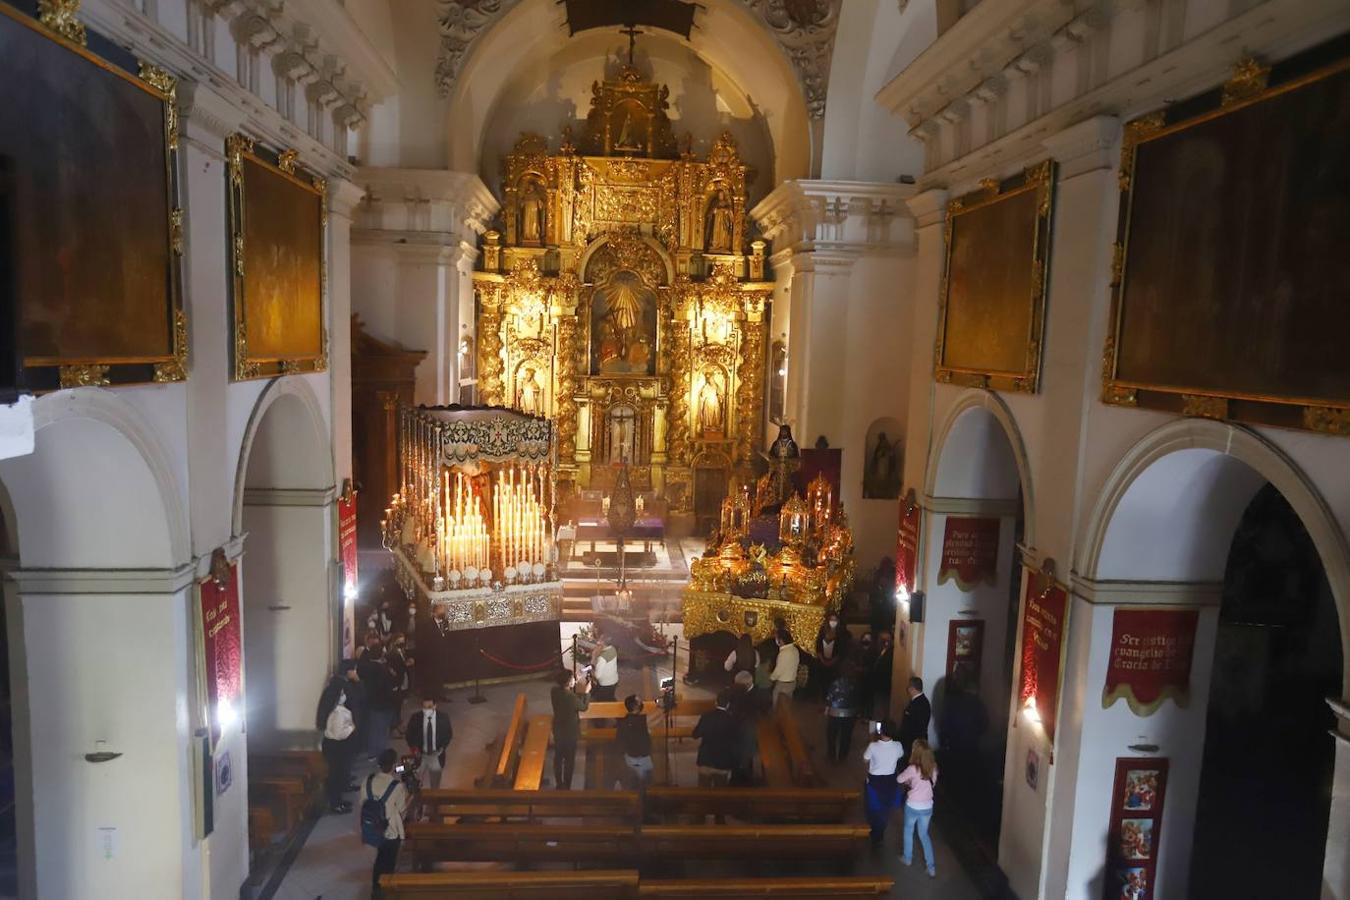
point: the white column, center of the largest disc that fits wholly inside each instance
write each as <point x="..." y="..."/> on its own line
<point x="343" y="196"/>
<point x="413" y="248"/>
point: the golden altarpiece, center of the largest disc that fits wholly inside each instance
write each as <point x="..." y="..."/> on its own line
<point x="619" y="299"/>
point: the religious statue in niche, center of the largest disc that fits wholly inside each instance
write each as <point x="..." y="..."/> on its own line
<point x="717" y="235"/>
<point x="881" y="479"/>
<point x="532" y="212"/>
<point x="710" y="405"/>
<point x="530" y="393"/>
<point x="630" y="124"/>
<point x="622" y="437"/>
<point x="623" y="327"/>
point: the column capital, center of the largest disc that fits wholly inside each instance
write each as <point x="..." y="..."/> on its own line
<point x="208" y="117"/>
<point x="859" y="217"/>
<point x="1085" y="146"/>
<point x="343" y="197"/>
<point x="929" y="208"/>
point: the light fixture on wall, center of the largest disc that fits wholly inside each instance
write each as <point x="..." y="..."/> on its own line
<point x="1029" y="710"/>
<point x="227" y="716"/>
<point x="101" y="755"/>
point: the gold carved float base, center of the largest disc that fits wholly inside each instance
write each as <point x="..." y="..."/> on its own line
<point x="706" y="612"/>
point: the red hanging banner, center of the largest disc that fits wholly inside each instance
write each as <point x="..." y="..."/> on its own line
<point x="907" y="545"/>
<point x="222" y="644"/>
<point x="1044" y="616"/>
<point x="969" y="552"/>
<point x="347" y="538"/>
<point x="1150" y="658"/>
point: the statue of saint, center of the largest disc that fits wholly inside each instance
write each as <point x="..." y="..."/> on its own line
<point x="717" y="237"/>
<point x="530" y="395"/>
<point x="709" y="406"/>
<point x="532" y="215"/>
<point x="881" y="480"/>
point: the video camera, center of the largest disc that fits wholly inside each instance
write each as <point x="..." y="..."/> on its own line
<point x="406" y="771"/>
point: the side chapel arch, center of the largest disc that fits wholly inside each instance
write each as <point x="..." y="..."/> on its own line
<point x="310" y="432"/>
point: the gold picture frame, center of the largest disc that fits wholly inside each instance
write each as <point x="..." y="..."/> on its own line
<point x="147" y="340"/>
<point x="278" y="262"/>
<point x="1271" y="404"/>
<point x="991" y="313"/>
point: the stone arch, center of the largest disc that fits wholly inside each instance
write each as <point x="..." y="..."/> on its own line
<point x="668" y="264"/>
<point x="1198" y="476"/>
<point x="984" y="416"/>
<point x="98" y="471"/>
<point x="308" y="429"/>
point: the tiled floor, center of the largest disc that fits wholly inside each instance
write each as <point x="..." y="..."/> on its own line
<point x="334" y="865"/>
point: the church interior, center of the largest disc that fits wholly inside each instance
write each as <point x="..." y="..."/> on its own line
<point x="589" y="448"/>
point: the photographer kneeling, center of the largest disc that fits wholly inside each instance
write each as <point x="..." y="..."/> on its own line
<point x="384" y="802"/>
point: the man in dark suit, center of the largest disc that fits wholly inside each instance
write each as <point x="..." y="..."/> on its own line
<point x="914" y="723"/>
<point x="428" y="733"/>
<point x="433" y="651"/>
<point x="719" y="743"/>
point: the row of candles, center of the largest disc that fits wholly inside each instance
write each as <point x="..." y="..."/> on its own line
<point x="459" y="545"/>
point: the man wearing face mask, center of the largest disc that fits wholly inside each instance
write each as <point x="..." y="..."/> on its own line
<point x="832" y="646"/>
<point x="428" y="735"/>
<point x="433" y="651"/>
<point x="336" y="718"/>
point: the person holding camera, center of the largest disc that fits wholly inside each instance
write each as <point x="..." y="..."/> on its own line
<point x="384" y="802"/>
<point x="428" y="734"/>
<point x="567" y="708"/>
<point x="883" y="756"/>
<point x="784" y="674"/>
<point x="635" y="741"/>
<point x="605" y="661"/>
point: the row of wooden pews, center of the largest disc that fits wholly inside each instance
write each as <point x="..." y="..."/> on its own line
<point x="283" y="789"/>
<point x="617" y="885"/>
<point x="655" y="805"/>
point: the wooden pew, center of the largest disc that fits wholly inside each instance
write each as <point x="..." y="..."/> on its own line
<point x="614" y="709"/>
<point x="262" y="827"/>
<point x="428" y="843"/>
<point x="288" y="793"/>
<point x="803" y="773"/>
<point x="509" y="757"/>
<point x="604" y="845"/>
<point x="306" y="764"/>
<point x="531" y="806"/>
<point x="759" y="842"/>
<point x="658" y="732"/>
<point x="801" y="888"/>
<point x="810" y="805"/>
<point x="599" y="885"/>
<point x="772" y="756"/>
<point x="533" y="752"/>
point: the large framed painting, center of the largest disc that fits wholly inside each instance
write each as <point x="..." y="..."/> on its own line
<point x="1230" y="275"/>
<point x="88" y="150"/>
<point x="992" y="304"/>
<point x="278" y="224"/>
<point x="623" y="326"/>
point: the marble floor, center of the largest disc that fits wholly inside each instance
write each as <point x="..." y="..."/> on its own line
<point x="334" y="865"/>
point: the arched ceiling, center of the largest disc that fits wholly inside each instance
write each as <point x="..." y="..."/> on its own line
<point x="507" y="51"/>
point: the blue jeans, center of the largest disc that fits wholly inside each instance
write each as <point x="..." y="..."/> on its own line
<point x="920" y="819"/>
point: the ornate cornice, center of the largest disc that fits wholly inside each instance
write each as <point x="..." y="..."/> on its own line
<point x="457" y="205"/>
<point x="844" y="216"/>
<point x="461" y="22"/>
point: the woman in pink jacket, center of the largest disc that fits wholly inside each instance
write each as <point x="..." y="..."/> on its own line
<point x="920" y="777"/>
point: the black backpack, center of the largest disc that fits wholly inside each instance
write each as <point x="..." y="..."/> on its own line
<point x="373" y="818"/>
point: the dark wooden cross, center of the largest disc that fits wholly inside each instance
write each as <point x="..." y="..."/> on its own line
<point x="632" y="32"/>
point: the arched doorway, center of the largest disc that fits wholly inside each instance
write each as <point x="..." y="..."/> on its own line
<point x="292" y="615"/>
<point x="976" y="497"/>
<point x="1217" y="518"/>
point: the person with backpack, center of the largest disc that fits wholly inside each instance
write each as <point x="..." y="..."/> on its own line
<point x="920" y="778"/>
<point x="384" y="800"/>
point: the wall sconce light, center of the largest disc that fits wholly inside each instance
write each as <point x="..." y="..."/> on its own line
<point x="101" y="755"/>
<point x="1030" y="711"/>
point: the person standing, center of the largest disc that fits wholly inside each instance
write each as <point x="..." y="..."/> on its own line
<point x="784" y="675"/>
<point x="605" y="661"/>
<point x="340" y="732"/>
<point x="398" y="664"/>
<point x="428" y="733"/>
<point x="745" y="658"/>
<point x="567" y="707"/>
<point x="635" y="741"/>
<point x="917" y="715"/>
<point x="879" y="672"/>
<point x="385" y="788"/>
<point x="920" y="777"/>
<point x="433" y="651"/>
<point x="841" y="711"/>
<point x="883" y="757"/>
<point x="744" y="709"/>
<point x="717" y="749"/>
<point x="832" y="648"/>
<point x="374" y="673"/>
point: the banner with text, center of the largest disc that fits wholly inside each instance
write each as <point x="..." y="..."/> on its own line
<point x="969" y="552"/>
<point x="1150" y="658"/>
<point x="222" y="648"/>
<point x="347" y="540"/>
<point x="907" y="545"/>
<point x="1044" y="616"/>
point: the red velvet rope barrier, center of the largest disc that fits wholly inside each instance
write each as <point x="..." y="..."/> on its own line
<point x="534" y="668"/>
